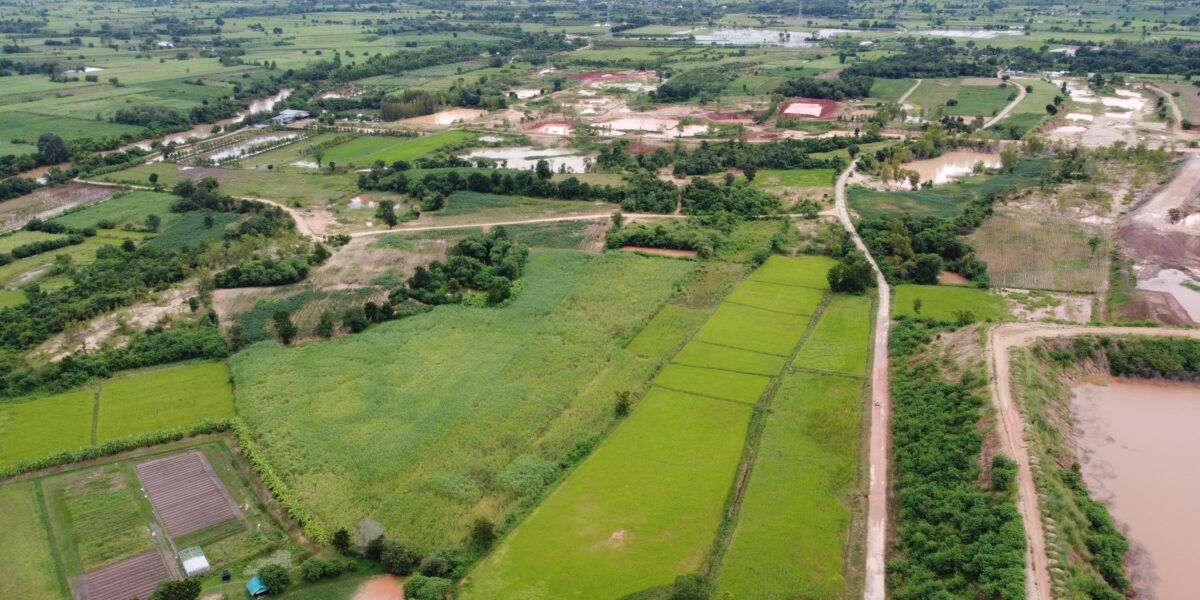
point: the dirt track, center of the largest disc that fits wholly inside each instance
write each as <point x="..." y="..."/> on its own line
<point x="874" y="587"/>
<point x="1007" y="109"/>
<point x="1177" y="127"/>
<point x="909" y="92"/>
<point x="1001" y="340"/>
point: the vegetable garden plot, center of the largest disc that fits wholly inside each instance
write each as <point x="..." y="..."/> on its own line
<point x="186" y="493"/>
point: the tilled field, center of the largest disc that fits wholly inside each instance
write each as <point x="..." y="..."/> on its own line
<point x="186" y="493"/>
<point x="131" y="578"/>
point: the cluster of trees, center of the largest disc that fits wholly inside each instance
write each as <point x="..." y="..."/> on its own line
<point x="674" y="236"/>
<point x="263" y="272"/>
<point x="716" y="157"/>
<point x="1106" y="544"/>
<point x="1167" y="358"/>
<point x="35" y="248"/>
<point x="957" y="540"/>
<point x="936" y="58"/>
<point x="852" y="274"/>
<point x="1174" y="56"/>
<point x="916" y="249"/>
<point x="266" y="219"/>
<point x="843" y="88"/>
<point x="704" y="84"/>
<point x="488" y="261"/>
<point x="536" y="184"/>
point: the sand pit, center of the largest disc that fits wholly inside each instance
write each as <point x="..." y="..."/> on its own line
<point x="447" y="117"/>
<point x="1080" y="117"/>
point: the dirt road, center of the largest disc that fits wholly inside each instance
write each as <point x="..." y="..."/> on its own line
<point x="1001" y="340"/>
<point x="874" y="587"/>
<point x="629" y="218"/>
<point x="909" y="92"/>
<point x="1007" y="109"/>
<point x="1177" y="126"/>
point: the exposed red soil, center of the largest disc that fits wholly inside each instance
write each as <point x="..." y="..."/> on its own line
<point x="186" y="493"/>
<point x="660" y="251"/>
<point x="951" y="277"/>
<point x="1157" y="306"/>
<point x="381" y="587"/>
<point x="131" y="578"/>
<point x="829" y="108"/>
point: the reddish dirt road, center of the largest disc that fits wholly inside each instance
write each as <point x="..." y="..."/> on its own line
<point x="1001" y="340"/>
<point x="874" y="587"/>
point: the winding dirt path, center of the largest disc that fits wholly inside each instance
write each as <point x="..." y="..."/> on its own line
<point x="1009" y="108"/>
<point x="1001" y="340"/>
<point x="874" y="587"/>
<point x="1177" y="127"/>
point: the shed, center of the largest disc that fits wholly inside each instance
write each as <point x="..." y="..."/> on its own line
<point x="256" y="587"/>
<point x="194" y="561"/>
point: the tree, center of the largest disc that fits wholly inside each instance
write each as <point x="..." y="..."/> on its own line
<point x="275" y="577"/>
<point x="421" y="587"/>
<point x="398" y="559"/>
<point x="925" y="269"/>
<point x="483" y="534"/>
<point x="153" y="221"/>
<point x="917" y="306"/>
<point x="750" y="171"/>
<point x="621" y="410"/>
<point x="692" y="586"/>
<point x="153" y="178"/>
<point x="341" y="537"/>
<point x="386" y="213"/>
<point x="1094" y="243"/>
<point x="543" y="169"/>
<point x="962" y="318"/>
<point x="1008" y="160"/>
<point x="437" y="564"/>
<point x="852" y="275"/>
<point x="188" y="589"/>
<point x="237" y="337"/>
<point x="52" y="149"/>
<point x="128" y="245"/>
<point x="313" y="569"/>
<point x="325" y="326"/>
<point x="285" y="329"/>
<point x="355" y="319"/>
<point x="1051" y="109"/>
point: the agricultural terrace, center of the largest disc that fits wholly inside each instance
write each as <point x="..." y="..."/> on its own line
<point x="945" y="302"/>
<point x="368" y="149"/>
<point x="131" y="405"/>
<point x="645" y="505"/>
<point x="477" y="405"/>
<point x="88" y="532"/>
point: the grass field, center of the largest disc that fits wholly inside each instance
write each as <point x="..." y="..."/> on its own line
<point x="891" y="89"/>
<point x="942" y="200"/>
<point x="125" y="207"/>
<point x="981" y="100"/>
<point x="461" y="394"/>
<point x="1013" y="245"/>
<point x="643" y="508"/>
<point x="368" y="149"/>
<point x="13" y="239"/>
<point x="42" y="427"/>
<point x="778" y="298"/>
<point x="190" y="231"/>
<point x="809" y="272"/>
<point x="830" y="347"/>
<point x="792" y="532"/>
<point x="11" y="298"/>
<point x="97" y="516"/>
<point x="942" y="301"/>
<point x="933" y="93"/>
<point x="754" y="329"/>
<point x="1030" y="112"/>
<point x="769" y="178"/>
<point x="164" y="399"/>
<point x="636" y="513"/>
<point x="25" y="554"/>
<point x="700" y="354"/>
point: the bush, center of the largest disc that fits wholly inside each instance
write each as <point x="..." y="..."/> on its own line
<point x="276" y="579"/>
<point x="421" y="587"/>
<point x="398" y="559"/>
<point x="440" y="563"/>
<point x="267" y="272"/>
<point x="692" y="587"/>
<point x="313" y="569"/>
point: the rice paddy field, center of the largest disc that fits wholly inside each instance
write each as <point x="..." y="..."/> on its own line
<point x="942" y="301"/>
<point x="768" y="178"/>
<point x="1013" y="246"/>
<point x="26" y="549"/>
<point x="645" y="505"/>
<point x="462" y="395"/>
<point x="131" y="405"/>
<point x="368" y="149"/>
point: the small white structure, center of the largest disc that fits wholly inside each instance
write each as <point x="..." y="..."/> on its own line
<point x="194" y="561"/>
<point x="165" y="44"/>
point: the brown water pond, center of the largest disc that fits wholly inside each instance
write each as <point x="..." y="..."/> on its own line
<point x="1138" y="448"/>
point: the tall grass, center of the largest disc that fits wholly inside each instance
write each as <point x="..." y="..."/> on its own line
<point x="1015" y="250"/>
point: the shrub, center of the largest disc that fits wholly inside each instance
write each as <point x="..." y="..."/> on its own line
<point x="398" y="559"/>
<point x="421" y="587"/>
<point x="276" y="578"/>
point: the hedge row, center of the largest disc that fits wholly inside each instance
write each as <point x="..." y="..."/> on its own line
<point x="313" y="527"/>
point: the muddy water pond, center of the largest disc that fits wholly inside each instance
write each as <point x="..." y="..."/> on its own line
<point x="528" y="157"/>
<point x="952" y="165"/>
<point x="1138" y="446"/>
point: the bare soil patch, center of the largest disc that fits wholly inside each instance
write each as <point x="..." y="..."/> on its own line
<point x="381" y="587"/>
<point x="660" y="251"/>
<point x="953" y="278"/>
<point x="48" y="202"/>
<point x="131" y="578"/>
<point x="105" y="329"/>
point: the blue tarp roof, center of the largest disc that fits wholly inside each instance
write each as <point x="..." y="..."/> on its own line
<point x="256" y="586"/>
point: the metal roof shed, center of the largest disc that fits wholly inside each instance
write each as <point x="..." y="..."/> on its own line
<point x="256" y="587"/>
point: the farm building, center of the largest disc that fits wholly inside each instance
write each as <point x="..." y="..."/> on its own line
<point x="194" y="561"/>
<point x="809" y="108"/>
<point x="289" y="116"/>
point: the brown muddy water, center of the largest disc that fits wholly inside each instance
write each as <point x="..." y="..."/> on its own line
<point x="952" y="165"/>
<point x="1138" y="448"/>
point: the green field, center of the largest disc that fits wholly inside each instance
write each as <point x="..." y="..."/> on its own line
<point x="809" y="272"/>
<point x="793" y="528"/>
<point x="368" y="149"/>
<point x="943" y="200"/>
<point x="845" y="318"/>
<point x="643" y="508"/>
<point x="664" y="333"/>
<point x="28" y="126"/>
<point x="124" y="207"/>
<point x="164" y="399"/>
<point x="941" y="301"/>
<point x="933" y="93"/>
<point x="754" y="329"/>
<point x="778" y="298"/>
<point x="768" y="178"/>
<point x="25" y="554"/>
<point x="891" y="89"/>
<point x="1030" y="112"/>
<point x="97" y="515"/>
<point x="700" y="354"/>
<point x="464" y="396"/>
<point x="42" y="427"/>
<point x="190" y="231"/>
<point x="981" y="100"/>
<point x="13" y="239"/>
